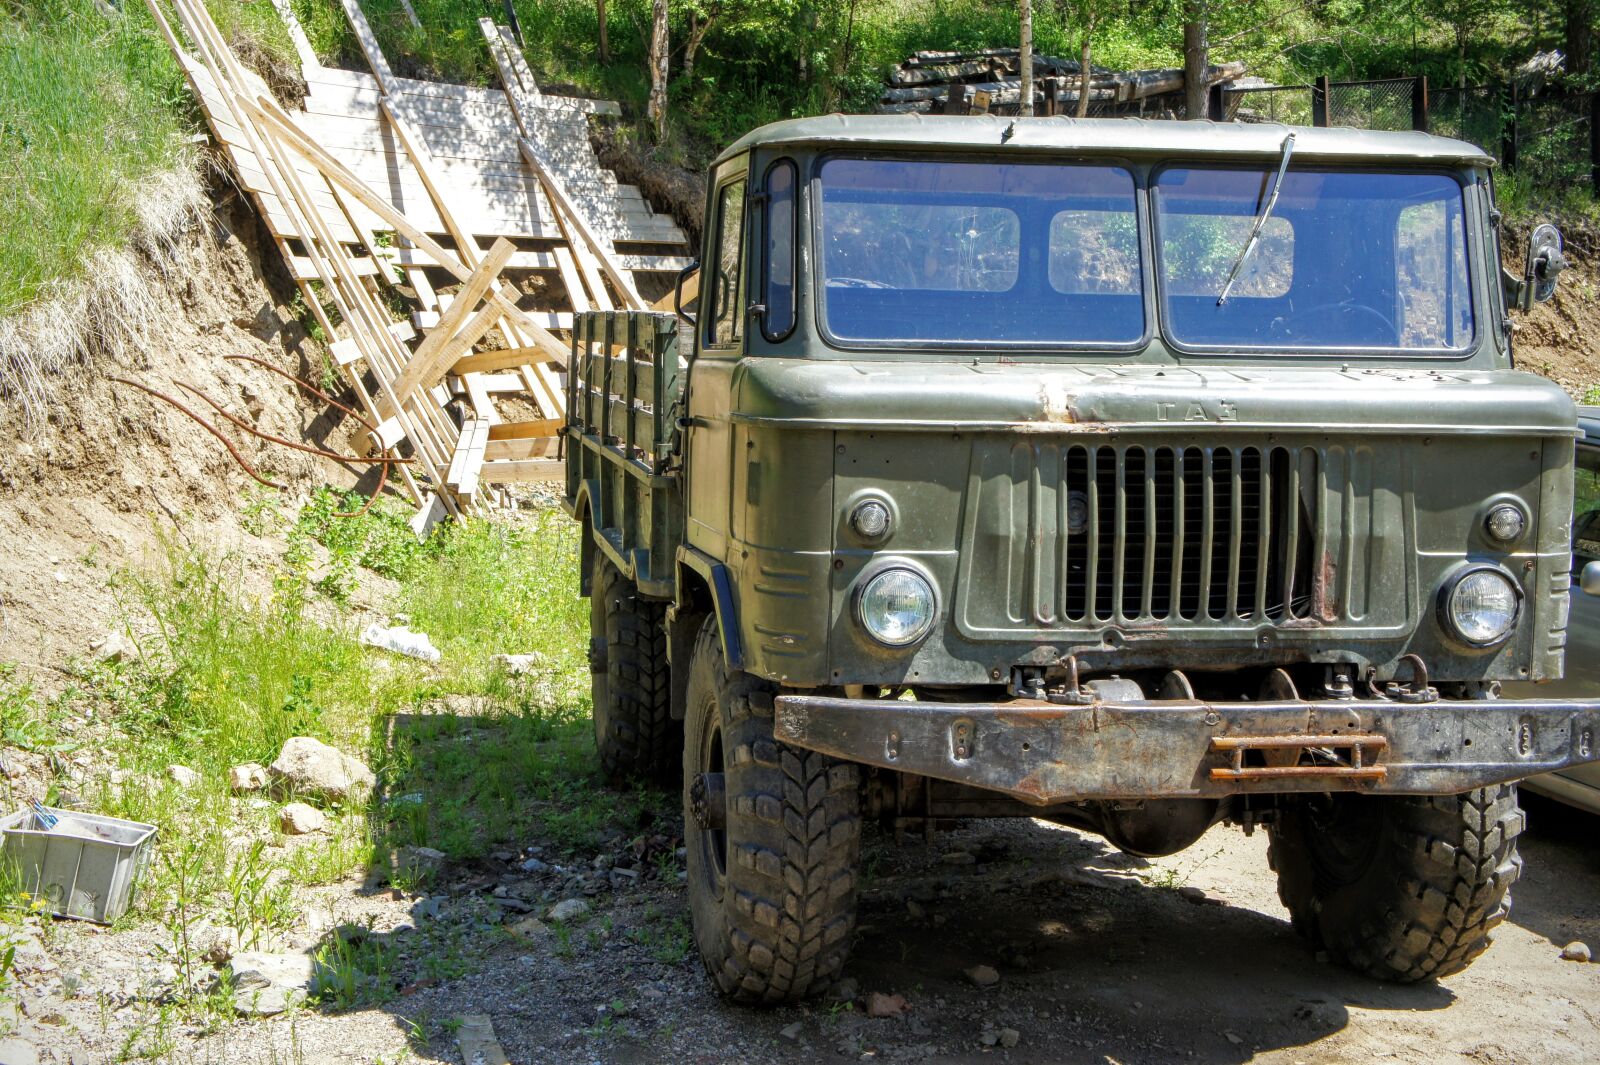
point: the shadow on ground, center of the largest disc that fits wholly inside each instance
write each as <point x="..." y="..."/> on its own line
<point x="1100" y="956"/>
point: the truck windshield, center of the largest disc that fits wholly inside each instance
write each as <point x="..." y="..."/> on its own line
<point x="1347" y="260"/>
<point x="948" y="253"/>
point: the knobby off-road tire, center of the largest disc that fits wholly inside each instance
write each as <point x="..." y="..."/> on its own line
<point x="1400" y="888"/>
<point x="772" y="894"/>
<point x="633" y="725"/>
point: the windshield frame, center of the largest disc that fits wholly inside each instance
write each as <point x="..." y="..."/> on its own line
<point x="1472" y="254"/>
<point x="1142" y="228"/>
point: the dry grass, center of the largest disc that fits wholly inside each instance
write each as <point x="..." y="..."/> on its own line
<point x="107" y="309"/>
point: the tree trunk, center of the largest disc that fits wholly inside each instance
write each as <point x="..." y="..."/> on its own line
<point x="1463" y="31"/>
<point x="1085" y="72"/>
<point x="1195" y="57"/>
<point x="697" y="36"/>
<point x="1025" y="57"/>
<point x="658" y="71"/>
<point x="1579" y="19"/>
<point x="605" y="44"/>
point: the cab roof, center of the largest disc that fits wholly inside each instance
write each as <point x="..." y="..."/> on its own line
<point x="1110" y="136"/>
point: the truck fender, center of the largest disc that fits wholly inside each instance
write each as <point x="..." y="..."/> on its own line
<point x="704" y="589"/>
<point x="583" y="505"/>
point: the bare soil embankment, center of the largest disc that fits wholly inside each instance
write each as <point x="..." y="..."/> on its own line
<point x="96" y="473"/>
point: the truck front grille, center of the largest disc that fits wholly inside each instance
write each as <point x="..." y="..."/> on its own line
<point x="1168" y="535"/>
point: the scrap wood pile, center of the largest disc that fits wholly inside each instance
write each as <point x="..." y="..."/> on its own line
<point x="959" y="83"/>
<point x="484" y="212"/>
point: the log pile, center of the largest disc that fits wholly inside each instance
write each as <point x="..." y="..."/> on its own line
<point x="959" y="83"/>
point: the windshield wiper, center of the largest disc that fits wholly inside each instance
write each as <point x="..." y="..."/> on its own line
<point x="1261" y="220"/>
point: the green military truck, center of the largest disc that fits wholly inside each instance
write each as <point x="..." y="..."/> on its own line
<point x="1133" y="475"/>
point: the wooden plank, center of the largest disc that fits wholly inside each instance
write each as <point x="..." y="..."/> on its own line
<point x="554" y="189"/>
<point x="344" y="352"/>
<point x="368" y="41"/>
<point x="469" y="457"/>
<point x="691" y="292"/>
<point x="266" y="110"/>
<point x="522" y="470"/>
<point x="490" y="361"/>
<point x="482" y="402"/>
<point x="546" y="319"/>
<point x="430" y="513"/>
<point x="435" y="344"/>
<point x="302" y="269"/>
<point x="522" y="450"/>
<point x="427" y="371"/>
<point x="389" y="433"/>
<point x="526" y="430"/>
<point x="478" y="1043"/>
<point x="500" y="382"/>
<point x="437" y="90"/>
<point x="297" y="36"/>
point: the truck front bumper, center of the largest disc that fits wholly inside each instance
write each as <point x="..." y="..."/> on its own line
<point x="1045" y="753"/>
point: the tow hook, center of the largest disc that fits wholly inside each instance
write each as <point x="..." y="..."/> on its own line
<point x="708" y="803"/>
<point x="1418" y="691"/>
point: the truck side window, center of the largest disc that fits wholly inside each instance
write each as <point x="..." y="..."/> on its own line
<point x="727" y="290"/>
<point x="1586" y="507"/>
<point x="778" y="268"/>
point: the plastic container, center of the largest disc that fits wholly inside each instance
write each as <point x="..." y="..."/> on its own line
<point x="86" y="866"/>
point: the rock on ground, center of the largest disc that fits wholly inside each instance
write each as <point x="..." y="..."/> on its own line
<point x="298" y="819"/>
<point x="266" y="984"/>
<point x="983" y="975"/>
<point x="182" y="776"/>
<point x="247" y="777"/>
<point x="568" y="910"/>
<point x="881" y="1005"/>
<point x="1576" y="952"/>
<point x="311" y="767"/>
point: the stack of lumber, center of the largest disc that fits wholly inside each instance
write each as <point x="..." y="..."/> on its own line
<point x="483" y="213"/>
<point x="990" y="81"/>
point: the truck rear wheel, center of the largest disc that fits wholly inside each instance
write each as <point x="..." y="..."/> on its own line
<point x="633" y="725"/>
<point x="773" y="835"/>
<point x="1399" y="888"/>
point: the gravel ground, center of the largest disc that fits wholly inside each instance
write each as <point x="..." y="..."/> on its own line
<point x="1101" y="958"/>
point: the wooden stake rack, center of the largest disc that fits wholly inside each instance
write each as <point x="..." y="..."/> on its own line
<point x="464" y="203"/>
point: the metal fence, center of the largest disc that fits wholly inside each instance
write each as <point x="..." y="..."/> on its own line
<point x="1550" y="138"/>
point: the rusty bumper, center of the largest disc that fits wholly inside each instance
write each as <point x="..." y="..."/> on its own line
<point x="1047" y="753"/>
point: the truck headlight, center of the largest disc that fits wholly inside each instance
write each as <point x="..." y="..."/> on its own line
<point x="896" y="607"/>
<point x="1481" y="605"/>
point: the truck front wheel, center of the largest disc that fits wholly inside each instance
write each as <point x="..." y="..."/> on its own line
<point x="1400" y="888"/>
<point x="633" y="725"/>
<point x="773" y="835"/>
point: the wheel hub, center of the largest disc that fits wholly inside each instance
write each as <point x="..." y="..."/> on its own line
<point x="708" y="801"/>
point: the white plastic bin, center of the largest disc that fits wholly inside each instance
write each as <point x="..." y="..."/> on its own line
<point x="86" y="866"/>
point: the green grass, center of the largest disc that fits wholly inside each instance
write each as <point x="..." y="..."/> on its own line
<point x="88" y="107"/>
<point x="234" y="658"/>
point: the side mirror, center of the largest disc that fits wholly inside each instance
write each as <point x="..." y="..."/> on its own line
<point x="1589" y="579"/>
<point x="691" y="275"/>
<point x="1545" y="263"/>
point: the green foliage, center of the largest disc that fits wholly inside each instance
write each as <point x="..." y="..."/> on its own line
<point x="88" y="107"/>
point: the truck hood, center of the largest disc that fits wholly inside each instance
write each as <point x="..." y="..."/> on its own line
<point x="1031" y="397"/>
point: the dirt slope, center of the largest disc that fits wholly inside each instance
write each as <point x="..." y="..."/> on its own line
<point x="92" y="486"/>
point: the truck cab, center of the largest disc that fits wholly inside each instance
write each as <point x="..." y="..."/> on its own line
<point x="1136" y="475"/>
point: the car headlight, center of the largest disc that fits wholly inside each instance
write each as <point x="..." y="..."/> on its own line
<point x="896" y="607"/>
<point x="1481" y="606"/>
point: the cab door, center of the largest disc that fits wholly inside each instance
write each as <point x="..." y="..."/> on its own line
<point x="721" y="328"/>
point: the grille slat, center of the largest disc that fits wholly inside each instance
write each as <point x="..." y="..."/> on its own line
<point x="1167" y="533"/>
